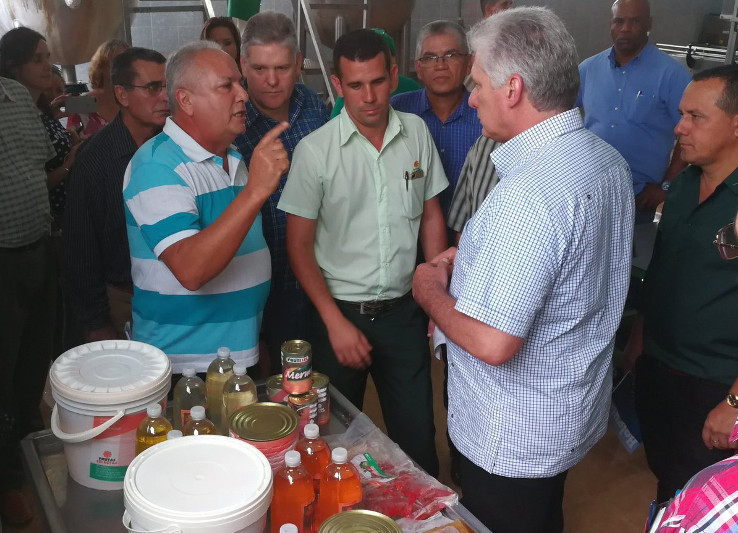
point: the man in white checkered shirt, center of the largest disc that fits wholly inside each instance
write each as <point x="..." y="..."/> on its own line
<point x="539" y="282"/>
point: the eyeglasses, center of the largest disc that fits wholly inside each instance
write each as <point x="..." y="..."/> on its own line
<point x="451" y="57"/>
<point x="727" y="242"/>
<point x="154" y="88"/>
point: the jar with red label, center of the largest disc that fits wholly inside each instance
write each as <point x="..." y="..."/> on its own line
<point x="297" y="367"/>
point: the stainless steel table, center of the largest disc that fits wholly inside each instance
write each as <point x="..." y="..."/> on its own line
<point x="68" y="507"/>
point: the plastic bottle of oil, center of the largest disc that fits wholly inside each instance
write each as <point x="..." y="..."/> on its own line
<point x="340" y="487"/>
<point x="188" y="392"/>
<point x="198" y="424"/>
<point x="153" y="429"/>
<point x="315" y="453"/>
<point x="218" y="373"/>
<point x="294" y="498"/>
<point x="239" y="391"/>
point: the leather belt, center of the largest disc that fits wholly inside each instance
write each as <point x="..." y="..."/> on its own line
<point x="374" y="307"/>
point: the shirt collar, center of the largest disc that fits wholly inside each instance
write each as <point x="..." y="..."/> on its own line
<point x="515" y="152"/>
<point x="458" y="112"/>
<point x="190" y="147"/>
<point x="347" y="128"/>
<point x="124" y="145"/>
<point x="297" y="100"/>
<point x="644" y="52"/>
<point x="731" y="182"/>
<point x="5" y="96"/>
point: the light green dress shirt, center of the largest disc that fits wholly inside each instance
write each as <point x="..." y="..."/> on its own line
<point x="368" y="203"/>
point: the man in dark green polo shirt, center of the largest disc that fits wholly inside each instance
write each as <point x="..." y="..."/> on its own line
<point x="686" y="378"/>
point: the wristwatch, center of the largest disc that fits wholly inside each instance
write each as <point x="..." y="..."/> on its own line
<point x="665" y="187"/>
<point x="732" y="400"/>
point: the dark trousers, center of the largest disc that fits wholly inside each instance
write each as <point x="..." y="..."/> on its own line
<point x="28" y="285"/>
<point x="672" y="408"/>
<point x="400" y="369"/>
<point x="285" y="319"/>
<point x="513" y="505"/>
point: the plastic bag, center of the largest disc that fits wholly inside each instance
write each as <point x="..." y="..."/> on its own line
<point x="393" y="485"/>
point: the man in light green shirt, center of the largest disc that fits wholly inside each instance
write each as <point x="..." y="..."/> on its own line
<point x="362" y="190"/>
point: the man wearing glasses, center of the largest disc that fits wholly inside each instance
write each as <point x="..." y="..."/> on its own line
<point x="199" y="261"/>
<point x="442" y="62"/>
<point x="685" y="339"/>
<point x="98" y="266"/>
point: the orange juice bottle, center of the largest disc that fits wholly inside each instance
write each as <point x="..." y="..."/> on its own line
<point x="340" y="487"/>
<point x="315" y="453"/>
<point x="294" y="498"/>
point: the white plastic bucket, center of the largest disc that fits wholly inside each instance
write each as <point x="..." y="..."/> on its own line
<point x="203" y="484"/>
<point x="102" y="390"/>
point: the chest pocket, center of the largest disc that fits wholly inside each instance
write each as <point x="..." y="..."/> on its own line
<point x="413" y="192"/>
<point x="644" y="109"/>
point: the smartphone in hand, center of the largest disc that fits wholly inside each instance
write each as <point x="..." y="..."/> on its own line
<point x="80" y="104"/>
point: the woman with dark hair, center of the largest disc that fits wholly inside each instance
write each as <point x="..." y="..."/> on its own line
<point x="223" y="31"/>
<point x="102" y="89"/>
<point x="25" y="58"/>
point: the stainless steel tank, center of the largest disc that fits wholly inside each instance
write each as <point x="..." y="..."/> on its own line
<point x="73" y="34"/>
<point x="390" y="15"/>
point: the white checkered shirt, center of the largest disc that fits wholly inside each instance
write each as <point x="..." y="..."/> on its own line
<point x="546" y="258"/>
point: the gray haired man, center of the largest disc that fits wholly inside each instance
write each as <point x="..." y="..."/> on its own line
<point x="271" y="64"/>
<point x="539" y="281"/>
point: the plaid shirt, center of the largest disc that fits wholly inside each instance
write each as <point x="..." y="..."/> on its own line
<point x="709" y="502"/>
<point x="307" y="113"/>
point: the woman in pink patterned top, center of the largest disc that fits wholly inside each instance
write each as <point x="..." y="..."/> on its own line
<point x="107" y="108"/>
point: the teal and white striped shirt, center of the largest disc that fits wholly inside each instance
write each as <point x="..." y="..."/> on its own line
<point x="172" y="189"/>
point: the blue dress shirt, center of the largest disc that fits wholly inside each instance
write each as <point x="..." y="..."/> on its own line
<point x="635" y="108"/>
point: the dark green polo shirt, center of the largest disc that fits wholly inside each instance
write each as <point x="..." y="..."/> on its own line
<point x="690" y="298"/>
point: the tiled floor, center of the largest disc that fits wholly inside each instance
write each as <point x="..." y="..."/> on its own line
<point x="608" y="492"/>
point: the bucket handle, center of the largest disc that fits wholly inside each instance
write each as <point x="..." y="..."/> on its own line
<point x="74" y="438"/>
<point x="127" y="525"/>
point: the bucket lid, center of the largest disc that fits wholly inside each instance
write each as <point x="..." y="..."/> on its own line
<point x="110" y="373"/>
<point x="199" y="484"/>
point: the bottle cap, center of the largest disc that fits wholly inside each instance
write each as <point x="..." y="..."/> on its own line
<point x="292" y="458"/>
<point x="188" y="371"/>
<point x="338" y="455"/>
<point x="239" y="369"/>
<point x="224" y="352"/>
<point x="312" y="431"/>
<point x="197" y="412"/>
<point x="153" y="410"/>
<point x="288" y="528"/>
<point x="174" y="434"/>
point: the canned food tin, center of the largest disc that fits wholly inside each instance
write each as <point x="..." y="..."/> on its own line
<point x="359" y="521"/>
<point x="320" y="386"/>
<point x="297" y="367"/>
<point x="274" y="389"/>
<point x="263" y="422"/>
<point x="306" y="407"/>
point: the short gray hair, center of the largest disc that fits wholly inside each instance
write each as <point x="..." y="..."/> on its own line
<point x="269" y="27"/>
<point x="179" y="65"/>
<point x="441" y="27"/>
<point x="534" y="43"/>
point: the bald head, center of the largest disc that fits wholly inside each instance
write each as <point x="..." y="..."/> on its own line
<point x="185" y="66"/>
<point x="629" y="27"/>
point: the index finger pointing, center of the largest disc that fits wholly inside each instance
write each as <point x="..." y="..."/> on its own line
<point x="275" y="132"/>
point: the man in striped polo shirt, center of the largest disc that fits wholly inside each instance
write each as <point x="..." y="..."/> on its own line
<point x="199" y="262"/>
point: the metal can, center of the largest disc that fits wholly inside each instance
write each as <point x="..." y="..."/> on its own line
<point x="297" y="367"/>
<point x="306" y="407"/>
<point x="320" y="387"/>
<point x="359" y="521"/>
<point x="272" y="428"/>
<point x="274" y="389"/>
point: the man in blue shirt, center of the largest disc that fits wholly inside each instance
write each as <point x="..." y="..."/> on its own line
<point x="442" y="62"/>
<point x="539" y="282"/>
<point x="630" y="94"/>
<point x="271" y="64"/>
